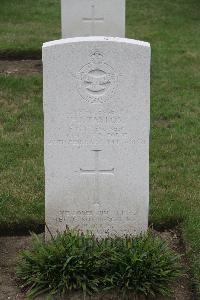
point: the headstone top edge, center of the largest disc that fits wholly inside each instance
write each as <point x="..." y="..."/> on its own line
<point x="95" y="39"/>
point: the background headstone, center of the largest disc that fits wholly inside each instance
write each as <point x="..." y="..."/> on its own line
<point x="93" y="18"/>
<point x="97" y="115"/>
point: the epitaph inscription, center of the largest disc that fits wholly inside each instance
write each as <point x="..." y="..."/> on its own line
<point x="101" y="217"/>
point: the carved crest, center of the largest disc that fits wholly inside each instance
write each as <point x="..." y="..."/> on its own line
<point x="96" y="80"/>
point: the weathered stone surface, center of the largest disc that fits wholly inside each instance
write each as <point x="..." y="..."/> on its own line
<point x="97" y="115"/>
<point x="93" y="17"/>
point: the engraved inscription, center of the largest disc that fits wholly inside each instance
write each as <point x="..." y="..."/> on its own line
<point x="96" y="128"/>
<point x="96" y="172"/>
<point x="90" y="142"/>
<point x="93" y="19"/>
<point x="90" y="217"/>
<point x="96" y="80"/>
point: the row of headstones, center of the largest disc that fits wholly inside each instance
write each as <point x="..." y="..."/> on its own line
<point x="97" y="117"/>
<point x="93" y="18"/>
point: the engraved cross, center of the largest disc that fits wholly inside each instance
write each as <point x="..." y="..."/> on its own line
<point x="96" y="172"/>
<point x="93" y="19"/>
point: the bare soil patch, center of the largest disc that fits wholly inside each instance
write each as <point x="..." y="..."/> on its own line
<point x="20" y="55"/>
<point x="20" y="67"/>
<point x="9" y="289"/>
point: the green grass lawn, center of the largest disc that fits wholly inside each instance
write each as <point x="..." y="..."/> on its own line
<point x="26" y="24"/>
<point x="21" y="155"/>
<point x="173" y="29"/>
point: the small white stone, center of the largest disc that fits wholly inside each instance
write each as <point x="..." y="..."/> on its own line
<point x="97" y="116"/>
<point x="93" y="18"/>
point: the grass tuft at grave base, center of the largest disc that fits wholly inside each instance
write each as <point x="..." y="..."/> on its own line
<point x="73" y="261"/>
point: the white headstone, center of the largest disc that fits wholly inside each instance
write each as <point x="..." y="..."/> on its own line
<point x="93" y="18"/>
<point x="97" y="115"/>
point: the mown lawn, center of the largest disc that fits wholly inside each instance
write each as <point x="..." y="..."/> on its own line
<point x="26" y="24"/>
<point x="21" y="155"/>
<point x="173" y="29"/>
